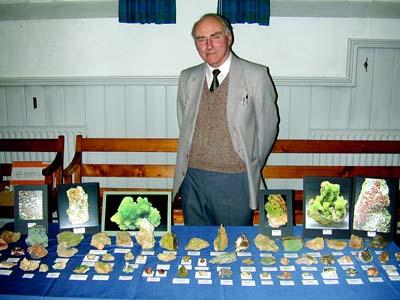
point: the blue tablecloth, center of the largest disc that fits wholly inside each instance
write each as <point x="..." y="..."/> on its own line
<point x="40" y="287"/>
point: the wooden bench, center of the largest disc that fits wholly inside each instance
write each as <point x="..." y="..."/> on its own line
<point x="52" y="173"/>
<point x="77" y="169"/>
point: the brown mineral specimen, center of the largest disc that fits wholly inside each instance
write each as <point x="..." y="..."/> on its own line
<point x="284" y="261"/>
<point x="221" y="240"/>
<point x="285" y="275"/>
<point x="100" y="240"/>
<point x="372" y="271"/>
<point x="17" y="251"/>
<point x="356" y="242"/>
<point x="336" y="244"/>
<point x="124" y="239"/>
<point x="103" y="267"/>
<point x="64" y="250"/>
<point x="384" y="257"/>
<point x="37" y="251"/>
<point x="10" y="236"/>
<point x="315" y="244"/>
<point x="242" y="243"/>
<point x="196" y="244"/>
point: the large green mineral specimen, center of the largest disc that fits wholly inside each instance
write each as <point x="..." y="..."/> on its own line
<point x="329" y="207"/>
<point x="69" y="238"/>
<point x="131" y="212"/>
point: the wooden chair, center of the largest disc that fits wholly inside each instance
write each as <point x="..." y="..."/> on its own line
<point x="52" y="173"/>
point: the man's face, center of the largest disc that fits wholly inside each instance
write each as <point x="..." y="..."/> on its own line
<point x="211" y="42"/>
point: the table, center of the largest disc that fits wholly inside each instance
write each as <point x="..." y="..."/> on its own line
<point x="40" y="286"/>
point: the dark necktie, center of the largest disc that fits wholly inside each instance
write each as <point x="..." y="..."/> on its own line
<point x="214" y="83"/>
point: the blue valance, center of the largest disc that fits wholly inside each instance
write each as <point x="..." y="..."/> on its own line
<point x="245" y="11"/>
<point x="147" y="11"/>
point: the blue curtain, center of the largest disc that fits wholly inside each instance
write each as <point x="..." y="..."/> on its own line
<point x="245" y="11"/>
<point x="147" y="11"/>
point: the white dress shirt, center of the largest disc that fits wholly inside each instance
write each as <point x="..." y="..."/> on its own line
<point x="224" y="68"/>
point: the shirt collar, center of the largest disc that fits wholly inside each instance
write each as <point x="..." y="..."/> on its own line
<point x="224" y="68"/>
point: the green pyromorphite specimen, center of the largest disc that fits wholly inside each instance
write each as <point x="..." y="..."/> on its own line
<point x="169" y="241"/>
<point x="292" y="243"/>
<point x="130" y="213"/>
<point x="69" y="238"/>
<point x="276" y="211"/>
<point x="37" y="235"/>
<point x="329" y="207"/>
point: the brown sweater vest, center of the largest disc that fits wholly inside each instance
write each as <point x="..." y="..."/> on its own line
<point x="212" y="147"/>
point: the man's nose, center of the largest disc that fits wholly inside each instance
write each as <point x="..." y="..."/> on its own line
<point x="210" y="44"/>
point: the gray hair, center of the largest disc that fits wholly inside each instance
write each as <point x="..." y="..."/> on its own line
<point x="224" y="22"/>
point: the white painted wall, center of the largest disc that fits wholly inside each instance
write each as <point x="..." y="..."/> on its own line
<point x="309" y="47"/>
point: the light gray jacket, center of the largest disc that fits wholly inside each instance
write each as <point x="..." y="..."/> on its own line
<point x="252" y="116"/>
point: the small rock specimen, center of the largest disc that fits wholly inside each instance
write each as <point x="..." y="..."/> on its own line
<point x="183" y="272"/>
<point x="285" y="275"/>
<point x="100" y="240"/>
<point x="128" y="268"/>
<point x="64" y="250"/>
<point x="169" y="241"/>
<point x="372" y="271"/>
<point x="43" y="268"/>
<point x="128" y="256"/>
<point x="265" y="243"/>
<point x="10" y="236"/>
<point x="315" y="244"/>
<point x="327" y="259"/>
<point x="364" y="256"/>
<point x="7" y="264"/>
<point x="37" y="235"/>
<point x="336" y="244"/>
<point x="242" y="243"/>
<point x="102" y="267"/>
<point x="221" y="240"/>
<point x="356" y="242"/>
<point x="248" y="261"/>
<point x="37" y="251"/>
<point x="345" y="260"/>
<point x="306" y="259"/>
<point x="292" y="243"/>
<point x="196" y="244"/>
<point x="145" y="236"/>
<point x="268" y="260"/>
<point x="124" y="239"/>
<point x="28" y="265"/>
<point x="60" y="265"/>
<point x="81" y="269"/>
<point x="107" y="257"/>
<point x="69" y="238"/>
<point x="166" y="256"/>
<point x="225" y="273"/>
<point x="384" y="257"/>
<point x="225" y="258"/>
<point x="378" y="242"/>
<point x="284" y="261"/>
<point x="352" y="272"/>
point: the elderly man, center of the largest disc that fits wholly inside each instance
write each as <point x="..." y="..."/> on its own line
<point x="228" y="121"/>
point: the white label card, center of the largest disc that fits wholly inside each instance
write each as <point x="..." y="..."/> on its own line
<point x="80" y="230"/>
<point x="78" y="277"/>
<point x="193" y="253"/>
<point x="276" y="232"/>
<point x="248" y="283"/>
<point x="204" y="281"/>
<point x="286" y="282"/>
<point x="180" y="280"/>
<point x="287" y="268"/>
<point x="330" y="281"/>
<point x="28" y="275"/>
<point x="267" y="282"/>
<point x="327" y="232"/>
<point x="242" y="254"/>
<point x="5" y="272"/>
<point x="226" y="282"/>
<point x="354" y="281"/>
<point x="101" y="277"/>
<point x="291" y="255"/>
<point x="53" y="275"/>
<point x="97" y="252"/>
<point x="375" y="279"/>
<point x="163" y="267"/>
<point x="247" y="269"/>
<point x="121" y="250"/>
<point x="310" y="282"/>
<point x="153" y="279"/>
<point x="125" y="278"/>
<point x="13" y="259"/>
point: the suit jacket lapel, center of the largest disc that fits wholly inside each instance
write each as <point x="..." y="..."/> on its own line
<point x="235" y="89"/>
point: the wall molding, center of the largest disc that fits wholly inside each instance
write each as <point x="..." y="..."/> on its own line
<point x="353" y="45"/>
<point x="279" y="8"/>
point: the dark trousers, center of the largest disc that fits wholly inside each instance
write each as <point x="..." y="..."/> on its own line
<point x="212" y="198"/>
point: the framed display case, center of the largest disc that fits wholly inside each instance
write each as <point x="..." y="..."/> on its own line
<point x="30" y="206"/>
<point x="374" y="206"/>
<point x="123" y="210"/>
<point x="276" y="212"/>
<point x="327" y="207"/>
<point x="78" y="207"/>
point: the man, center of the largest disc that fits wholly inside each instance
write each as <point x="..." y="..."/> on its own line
<point x="228" y="123"/>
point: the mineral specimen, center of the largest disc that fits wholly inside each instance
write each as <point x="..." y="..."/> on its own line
<point x="196" y="244"/>
<point x="166" y="256"/>
<point x="364" y="256"/>
<point x="371" y="209"/>
<point x="64" y="250"/>
<point x="397" y="256"/>
<point x="327" y="259"/>
<point x="81" y="269"/>
<point x="351" y="272"/>
<point x="37" y="235"/>
<point x="292" y="243"/>
<point x="336" y="244"/>
<point x="265" y="243"/>
<point x="128" y="256"/>
<point x="315" y="244"/>
<point x="100" y="240"/>
<point x="285" y="275"/>
<point x="37" y="251"/>
<point x="265" y="275"/>
<point x="145" y="236"/>
<point x="242" y="243"/>
<point x="43" y="268"/>
<point x="384" y="257"/>
<point x="284" y="261"/>
<point x="148" y="271"/>
<point x="276" y="211"/>
<point x="10" y="236"/>
<point x="248" y="261"/>
<point x="169" y="241"/>
<point x="7" y="264"/>
<point x="329" y="207"/>
<point x="268" y="260"/>
<point x="107" y="257"/>
<point x="356" y="242"/>
<point x="225" y="273"/>
<point x="103" y="267"/>
<point x="124" y="239"/>
<point x="28" y="265"/>
<point x="128" y="268"/>
<point x="372" y="271"/>
<point x="306" y="259"/>
<point x="221" y="240"/>
<point x="59" y="265"/>
<point x="245" y="275"/>
<point x="378" y="242"/>
<point x="30" y="205"/>
<point x="69" y="238"/>
<point x="78" y="209"/>
<point x="130" y="213"/>
<point x="345" y="260"/>
<point x="225" y="258"/>
<point x="3" y="245"/>
<point x="182" y="272"/>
